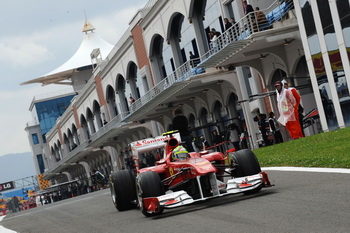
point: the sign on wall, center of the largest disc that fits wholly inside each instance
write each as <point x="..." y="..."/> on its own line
<point x="7" y="186"/>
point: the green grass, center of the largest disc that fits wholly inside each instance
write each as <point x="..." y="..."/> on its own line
<point x="331" y="149"/>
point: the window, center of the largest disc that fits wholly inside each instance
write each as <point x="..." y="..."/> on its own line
<point x="35" y="138"/>
<point x="40" y="163"/>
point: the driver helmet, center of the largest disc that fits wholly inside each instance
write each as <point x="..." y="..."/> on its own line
<point x="180" y="153"/>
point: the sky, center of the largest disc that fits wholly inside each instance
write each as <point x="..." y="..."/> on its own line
<point x="36" y="37"/>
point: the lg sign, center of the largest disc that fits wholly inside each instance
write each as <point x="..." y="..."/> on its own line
<point x="6" y="186"/>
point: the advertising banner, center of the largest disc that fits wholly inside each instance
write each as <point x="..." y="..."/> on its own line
<point x="7" y="186"/>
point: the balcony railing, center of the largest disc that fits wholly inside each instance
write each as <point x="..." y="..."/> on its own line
<point x="250" y="24"/>
<point x="115" y="122"/>
<point x="182" y="73"/>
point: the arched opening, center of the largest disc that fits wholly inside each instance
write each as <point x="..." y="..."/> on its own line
<point x="97" y="114"/>
<point x="278" y="75"/>
<point x="111" y="105"/>
<point x="75" y="135"/>
<point x="192" y="125"/>
<point x="53" y="153"/>
<point x="70" y="139"/>
<point x="85" y="128"/>
<point x="196" y="14"/>
<point x="67" y="144"/>
<point x="219" y="117"/>
<point x="205" y="131"/>
<point x="156" y="58"/>
<point x="90" y="121"/>
<point x="174" y="38"/>
<point x="120" y="84"/>
<point x="132" y="80"/>
<point x="59" y="151"/>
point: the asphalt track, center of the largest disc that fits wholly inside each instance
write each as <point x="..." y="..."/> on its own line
<point x="300" y="201"/>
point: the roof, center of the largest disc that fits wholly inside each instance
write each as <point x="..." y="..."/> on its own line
<point x="79" y="60"/>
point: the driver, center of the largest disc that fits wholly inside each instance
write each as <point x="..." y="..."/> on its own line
<point x="180" y="153"/>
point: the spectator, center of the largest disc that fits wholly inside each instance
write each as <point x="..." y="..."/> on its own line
<point x="131" y="100"/>
<point x="218" y="38"/>
<point x="263" y="126"/>
<point x="204" y="142"/>
<point x="216" y="33"/>
<point x="247" y="8"/>
<point x="101" y="179"/>
<point x="15" y="204"/>
<point x="194" y="59"/>
<point x="180" y="123"/>
<point x="235" y="29"/>
<point x="286" y="105"/>
<point x="261" y="19"/>
<point x="233" y="136"/>
<point x="274" y="126"/>
<point x="228" y="24"/>
<point x="298" y="132"/>
<point x="214" y="42"/>
<point x="197" y="146"/>
<point x="218" y="139"/>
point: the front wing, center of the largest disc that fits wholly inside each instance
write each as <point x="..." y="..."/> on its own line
<point x="232" y="186"/>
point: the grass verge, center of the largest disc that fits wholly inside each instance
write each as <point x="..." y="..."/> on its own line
<point x="331" y="149"/>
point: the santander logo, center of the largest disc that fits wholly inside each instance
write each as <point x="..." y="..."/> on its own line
<point x="151" y="141"/>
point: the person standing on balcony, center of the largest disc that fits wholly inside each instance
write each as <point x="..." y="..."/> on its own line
<point x="214" y="42"/>
<point x="227" y="23"/>
<point x="180" y="123"/>
<point x="194" y="59"/>
<point x="261" y="19"/>
<point x="247" y="8"/>
<point x="235" y="29"/>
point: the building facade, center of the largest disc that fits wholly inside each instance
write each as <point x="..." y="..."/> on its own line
<point x="228" y="80"/>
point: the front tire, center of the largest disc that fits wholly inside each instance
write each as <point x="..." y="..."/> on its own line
<point x="246" y="164"/>
<point x="123" y="191"/>
<point x="148" y="184"/>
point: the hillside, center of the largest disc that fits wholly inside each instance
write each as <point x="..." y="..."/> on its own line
<point x="16" y="166"/>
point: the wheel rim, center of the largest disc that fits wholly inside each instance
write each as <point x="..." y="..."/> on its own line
<point x="139" y="194"/>
<point x="114" y="196"/>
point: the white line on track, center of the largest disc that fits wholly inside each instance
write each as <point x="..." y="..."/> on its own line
<point x="307" y="169"/>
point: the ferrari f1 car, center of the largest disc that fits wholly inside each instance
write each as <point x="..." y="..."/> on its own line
<point x="171" y="184"/>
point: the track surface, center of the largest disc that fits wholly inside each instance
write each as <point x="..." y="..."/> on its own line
<point x="300" y="202"/>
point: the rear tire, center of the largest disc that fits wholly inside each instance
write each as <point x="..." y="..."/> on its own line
<point x="148" y="184"/>
<point x="123" y="191"/>
<point x="246" y="165"/>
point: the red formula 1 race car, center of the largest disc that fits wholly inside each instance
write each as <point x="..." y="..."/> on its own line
<point x="196" y="177"/>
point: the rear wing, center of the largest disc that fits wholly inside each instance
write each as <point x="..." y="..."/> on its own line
<point x="149" y="144"/>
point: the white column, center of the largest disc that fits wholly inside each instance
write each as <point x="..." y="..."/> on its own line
<point x="341" y="42"/>
<point x="256" y="78"/>
<point x="327" y="64"/>
<point x="311" y="68"/>
<point x="246" y="109"/>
